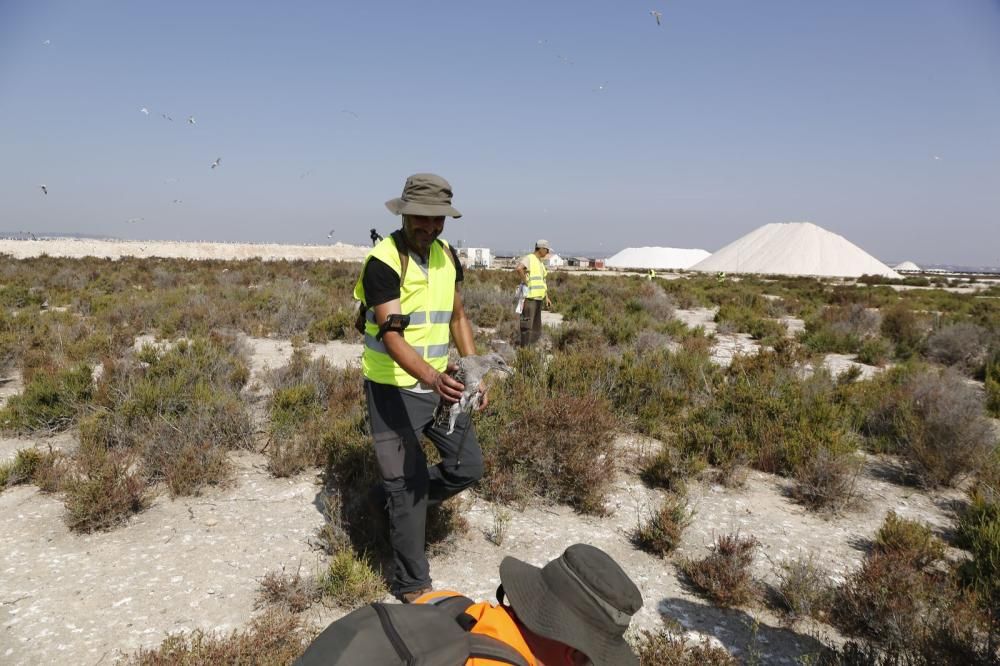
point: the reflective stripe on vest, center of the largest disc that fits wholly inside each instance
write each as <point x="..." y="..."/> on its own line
<point x="536" y="277"/>
<point x="419" y="317"/>
<point x="428" y="297"/>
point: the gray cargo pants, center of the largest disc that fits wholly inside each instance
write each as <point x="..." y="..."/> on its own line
<point x="398" y="420"/>
<point x="531" y="321"/>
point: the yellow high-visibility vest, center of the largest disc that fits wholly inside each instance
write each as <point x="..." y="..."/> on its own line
<point x="536" y="277"/>
<point x="428" y="297"/>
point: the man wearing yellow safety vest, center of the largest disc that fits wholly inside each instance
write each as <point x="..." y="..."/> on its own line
<point x="532" y="271"/>
<point x="409" y="291"/>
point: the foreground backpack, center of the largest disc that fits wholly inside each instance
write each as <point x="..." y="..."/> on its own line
<point x="412" y="634"/>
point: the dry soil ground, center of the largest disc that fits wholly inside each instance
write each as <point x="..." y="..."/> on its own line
<point x="196" y="562"/>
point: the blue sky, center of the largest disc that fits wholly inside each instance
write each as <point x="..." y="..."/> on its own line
<point x="582" y="122"/>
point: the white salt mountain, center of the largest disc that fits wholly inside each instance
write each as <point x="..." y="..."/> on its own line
<point x="794" y="248"/>
<point x="907" y="267"/>
<point x="659" y="258"/>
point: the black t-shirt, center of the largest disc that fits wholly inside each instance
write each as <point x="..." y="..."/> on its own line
<point x="381" y="283"/>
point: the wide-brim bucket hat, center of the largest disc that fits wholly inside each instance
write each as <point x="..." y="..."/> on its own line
<point x="424" y="194"/>
<point x="582" y="599"/>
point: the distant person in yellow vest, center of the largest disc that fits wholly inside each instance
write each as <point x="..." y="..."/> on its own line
<point x="409" y="286"/>
<point x="651" y="274"/>
<point x="531" y="269"/>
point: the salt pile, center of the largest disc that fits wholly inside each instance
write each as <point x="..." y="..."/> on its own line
<point x="661" y="258"/>
<point x="114" y="249"/>
<point x="907" y="267"/>
<point x="794" y="248"/>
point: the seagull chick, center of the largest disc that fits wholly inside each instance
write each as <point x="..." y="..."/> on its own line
<point x="472" y="371"/>
<point x="45" y="190"/>
<point x="216" y="162"/>
<point x="655" y="14"/>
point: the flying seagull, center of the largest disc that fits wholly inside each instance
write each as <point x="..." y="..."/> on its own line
<point x="655" y="14"/>
<point x="133" y="220"/>
<point x="601" y="87"/>
<point x="166" y="117"/>
<point x="191" y="120"/>
<point x="937" y="157"/>
<point x="144" y="111"/>
<point x="178" y="201"/>
<point x="46" y="42"/>
<point x="45" y="189"/>
<point x="216" y="162"/>
<point x="350" y="113"/>
<point x="330" y="235"/>
<point x="472" y="371"/>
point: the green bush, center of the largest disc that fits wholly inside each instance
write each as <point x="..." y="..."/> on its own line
<point x="908" y="540"/>
<point x="874" y="351"/>
<point x="51" y="400"/>
<point x="21" y="469"/>
<point x="350" y="581"/>
<point x="904" y="328"/>
<point x="765" y="414"/>
<point x="826" y="480"/>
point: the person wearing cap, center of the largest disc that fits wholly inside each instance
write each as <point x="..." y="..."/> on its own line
<point x="409" y="285"/>
<point x="532" y="271"/>
<point x="571" y="612"/>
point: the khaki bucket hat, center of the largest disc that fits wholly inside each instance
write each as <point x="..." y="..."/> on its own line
<point x="582" y="599"/>
<point x="424" y="194"/>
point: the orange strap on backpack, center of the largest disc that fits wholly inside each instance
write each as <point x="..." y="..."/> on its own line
<point x="490" y="620"/>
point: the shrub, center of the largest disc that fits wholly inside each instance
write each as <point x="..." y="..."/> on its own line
<point x="765" y="414"/>
<point x="961" y="345"/>
<point x="275" y="637"/>
<point x="662" y="648"/>
<point x="904" y="328"/>
<point x="874" y="351"/>
<point x="21" y="469"/>
<point x="350" y="581"/>
<point x="557" y="445"/>
<point x="670" y="469"/>
<point x="979" y="533"/>
<point x="827" y="480"/>
<point x="942" y="427"/>
<point x="180" y="407"/>
<point x="446" y="523"/>
<point x="841" y="329"/>
<point x="991" y="377"/>
<point x="908" y="540"/>
<point x="804" y="589"/>
<point x="661" y="533"/>
<point x="103" y="491"/>
<point x="294" y="592"/>
<point x="51" y="400"/>
<point x="724" y="575"/>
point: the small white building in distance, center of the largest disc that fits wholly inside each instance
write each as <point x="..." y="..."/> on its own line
<point x="475" y="257"/>
<point x="555" y="261"/>
<point x="907" y="267"/>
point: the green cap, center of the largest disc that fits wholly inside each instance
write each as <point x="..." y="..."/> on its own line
<point x="424" y="194"/>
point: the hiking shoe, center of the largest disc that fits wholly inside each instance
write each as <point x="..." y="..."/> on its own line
<point x="410" y="597"/>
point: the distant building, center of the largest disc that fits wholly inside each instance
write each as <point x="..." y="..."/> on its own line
<point x="475" y="257"/>
<point x="578" y="262"/>
<point x="555" y="261"/>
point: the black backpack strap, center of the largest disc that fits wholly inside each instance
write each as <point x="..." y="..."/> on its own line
<point x="487" y="647"/>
